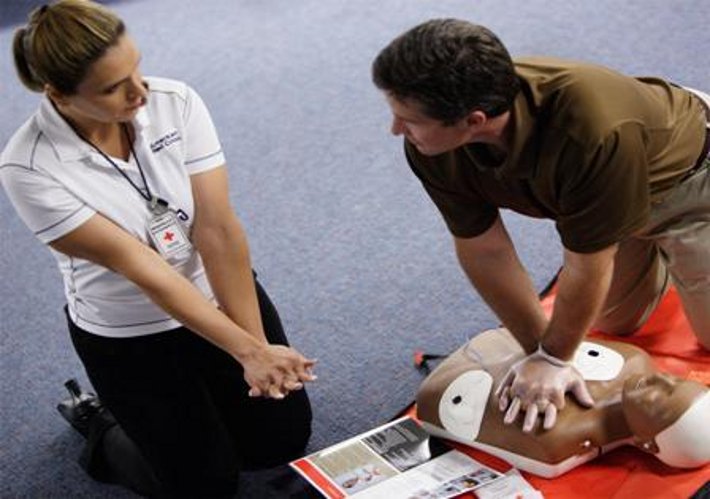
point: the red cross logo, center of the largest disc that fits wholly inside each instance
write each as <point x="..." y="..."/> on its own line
<point x="168" y="236"/>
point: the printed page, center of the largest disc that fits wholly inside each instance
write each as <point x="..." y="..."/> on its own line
<point x="446" y="476"/>
<point x="399" y="459"/>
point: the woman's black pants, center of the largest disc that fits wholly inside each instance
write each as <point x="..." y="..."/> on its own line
<point x="185" y="423"/>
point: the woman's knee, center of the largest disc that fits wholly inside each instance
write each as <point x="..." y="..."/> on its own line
<point x="287" y="430"/>
<point x="273" y="328"/>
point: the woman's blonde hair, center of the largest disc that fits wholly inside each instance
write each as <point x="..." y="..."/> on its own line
<point x="61" y="41"/>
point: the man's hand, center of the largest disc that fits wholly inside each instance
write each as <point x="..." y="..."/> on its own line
<point x="537" y="385"/>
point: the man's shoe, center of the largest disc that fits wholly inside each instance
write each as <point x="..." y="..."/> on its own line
<point x="80" y="408"/>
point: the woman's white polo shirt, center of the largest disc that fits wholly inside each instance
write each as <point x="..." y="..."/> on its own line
<point x="56" y="182"/>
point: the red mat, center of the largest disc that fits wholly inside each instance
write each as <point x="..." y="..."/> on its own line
<point x="629" y="473"/>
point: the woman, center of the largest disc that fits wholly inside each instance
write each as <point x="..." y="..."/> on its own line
<point x="124" y="178"/>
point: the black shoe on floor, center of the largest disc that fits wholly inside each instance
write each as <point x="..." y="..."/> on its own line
<point x="80" y="408"/>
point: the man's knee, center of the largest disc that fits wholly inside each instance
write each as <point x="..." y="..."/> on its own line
<point x="703" y="336"/>
<point x="617" y="326"/>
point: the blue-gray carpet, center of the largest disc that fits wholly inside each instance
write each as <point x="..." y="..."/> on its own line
<point x="343" y="237"/>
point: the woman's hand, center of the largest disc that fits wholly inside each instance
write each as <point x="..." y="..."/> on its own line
<point x="273" y="371"/>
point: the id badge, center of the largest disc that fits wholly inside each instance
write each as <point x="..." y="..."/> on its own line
<point x="167" y="235"/>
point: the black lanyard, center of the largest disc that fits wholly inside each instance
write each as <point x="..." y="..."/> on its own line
<point x="156" y="204"/>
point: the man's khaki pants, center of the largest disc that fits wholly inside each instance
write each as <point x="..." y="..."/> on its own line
<point x="673" y="247"/>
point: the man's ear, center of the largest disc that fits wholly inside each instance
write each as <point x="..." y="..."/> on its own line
<point x="55" y="95"/>
<point x="476" y="118"/>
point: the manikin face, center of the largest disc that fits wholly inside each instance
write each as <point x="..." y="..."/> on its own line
<point x="669" y="417"/>
<point x="652" y="403"/>
<point x="112" y="90"/>
<point x="428" y="135"/>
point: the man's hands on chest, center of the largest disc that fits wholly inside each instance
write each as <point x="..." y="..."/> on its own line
<point x="537" y="385"/>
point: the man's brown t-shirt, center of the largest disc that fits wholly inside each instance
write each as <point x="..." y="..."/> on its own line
<point x="590" y="148"/>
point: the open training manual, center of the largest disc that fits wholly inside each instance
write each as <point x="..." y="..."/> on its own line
<point x="396" y="460"/>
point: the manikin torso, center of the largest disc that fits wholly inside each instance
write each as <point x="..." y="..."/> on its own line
<point x="457" y="402"/>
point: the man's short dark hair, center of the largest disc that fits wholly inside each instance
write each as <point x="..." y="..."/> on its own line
<point x="450" y="68"/>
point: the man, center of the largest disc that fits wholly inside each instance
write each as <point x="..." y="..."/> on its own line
<point x="619" y="163"/>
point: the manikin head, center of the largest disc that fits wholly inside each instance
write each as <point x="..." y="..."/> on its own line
<point x="668" y="417"/>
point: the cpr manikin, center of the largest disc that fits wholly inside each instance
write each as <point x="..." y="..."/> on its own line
<point x="634" y="404"/>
